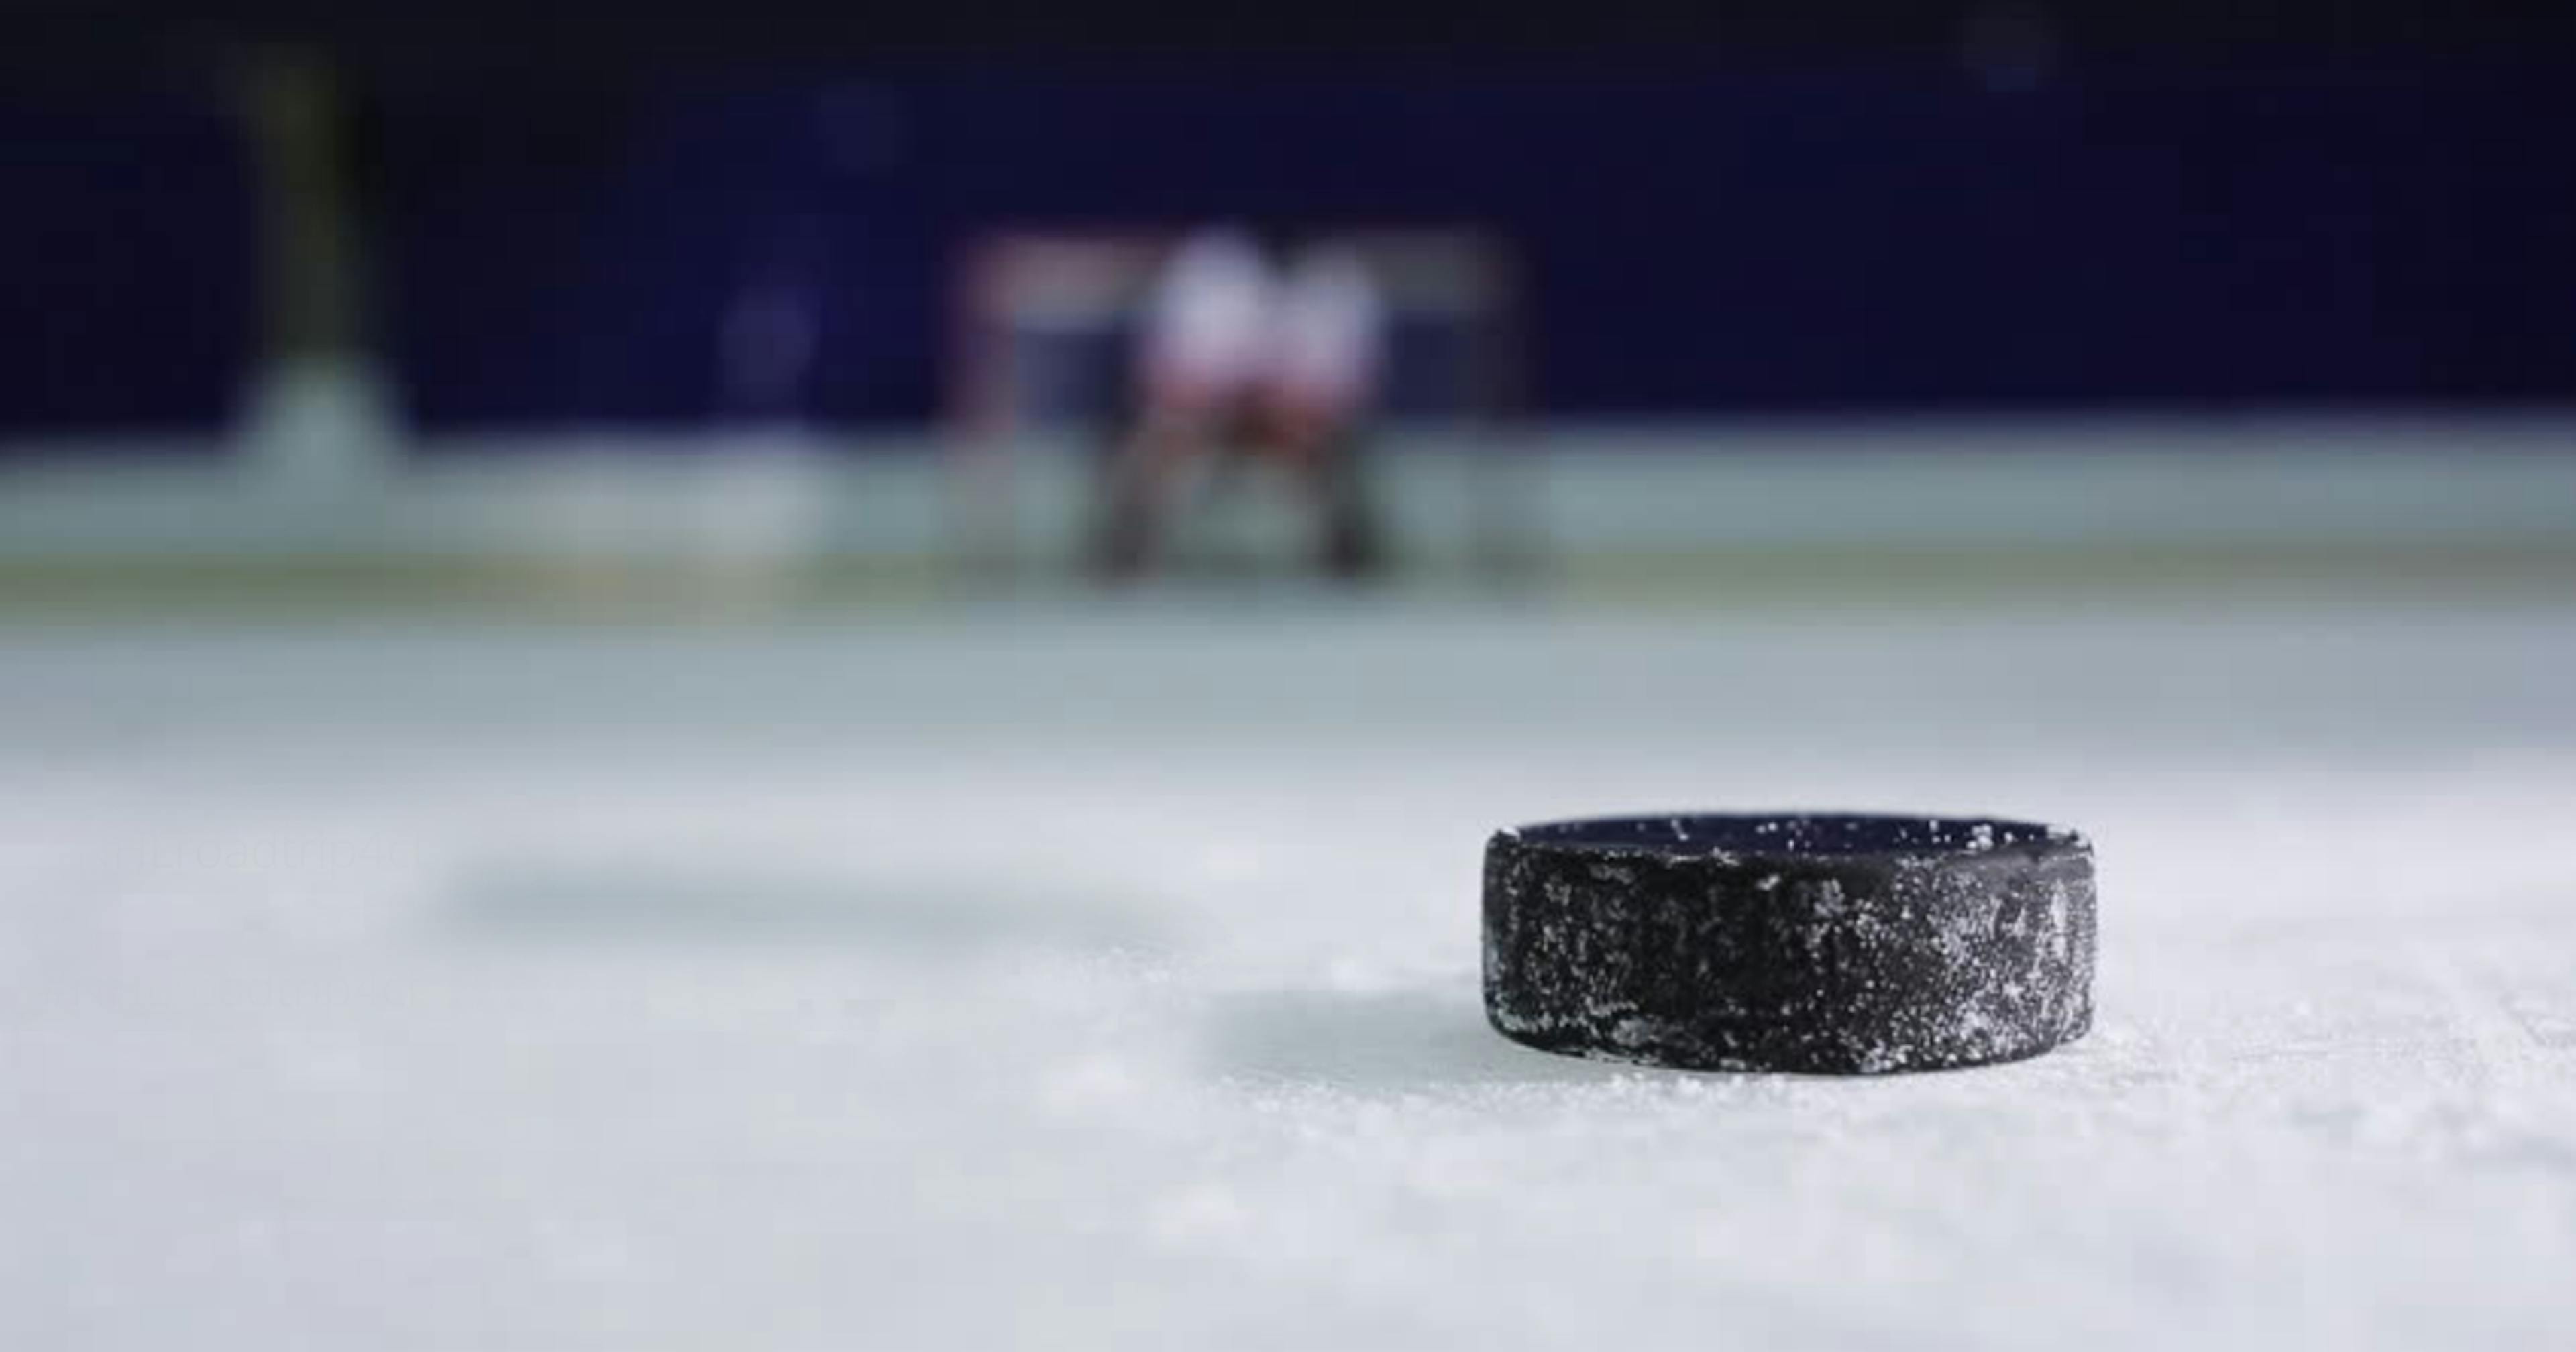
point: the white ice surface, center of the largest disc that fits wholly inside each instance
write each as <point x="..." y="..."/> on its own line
<point x="1109" y="981"/>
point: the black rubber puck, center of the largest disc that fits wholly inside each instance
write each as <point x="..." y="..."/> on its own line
<point x="1828" y="944"/>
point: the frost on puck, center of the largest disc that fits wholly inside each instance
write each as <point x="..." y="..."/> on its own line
<point x="1828" y="944"/>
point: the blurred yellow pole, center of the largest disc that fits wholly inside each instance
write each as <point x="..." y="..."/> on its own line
<point x="291" y="109"/>
<point x="319" y="419"/>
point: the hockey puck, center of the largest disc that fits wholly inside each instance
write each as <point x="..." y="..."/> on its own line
<point x="1826" y="944"/>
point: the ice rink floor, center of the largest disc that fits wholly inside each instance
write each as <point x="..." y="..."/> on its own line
<point x="1107" y="978"/>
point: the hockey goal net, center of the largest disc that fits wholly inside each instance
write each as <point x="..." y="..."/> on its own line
<point x="1044" y="325"/>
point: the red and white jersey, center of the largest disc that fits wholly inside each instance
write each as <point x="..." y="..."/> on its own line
<point x="1224" y="322"/>
<point x="1325" y="328"/>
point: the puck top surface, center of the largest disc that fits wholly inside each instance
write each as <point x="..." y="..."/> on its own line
<point x="1819" y="942"/>
<point x="1791" y="836"/>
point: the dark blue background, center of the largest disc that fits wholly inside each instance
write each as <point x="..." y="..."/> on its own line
<point x="126" y="288"/>
<point x="1888" y="236"/>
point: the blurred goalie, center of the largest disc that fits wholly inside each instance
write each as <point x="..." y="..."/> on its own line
<point x="1253" y="347"/>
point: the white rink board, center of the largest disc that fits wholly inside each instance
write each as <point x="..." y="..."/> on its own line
<point x="1108" y="980"/>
